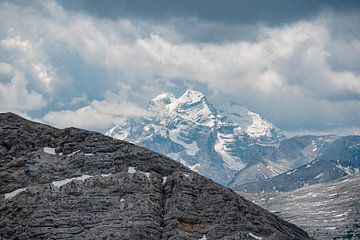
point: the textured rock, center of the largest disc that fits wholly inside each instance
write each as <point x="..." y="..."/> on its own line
<point x="76" y="184"/>
<point x="325" y="211"/>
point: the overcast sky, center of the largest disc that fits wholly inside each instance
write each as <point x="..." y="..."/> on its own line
<point x="93" y="63"/>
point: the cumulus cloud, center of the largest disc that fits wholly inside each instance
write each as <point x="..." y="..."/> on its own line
<point x="85" y="117"/>
<point x="302" y="75"/>
<point x="14" y="95"/>
<point x="282" y="59"/>
<point x="97" y="115"/>
<point x="24" y="55"/>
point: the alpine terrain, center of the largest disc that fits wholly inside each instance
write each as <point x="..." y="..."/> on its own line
<point x="236" y="147"/>
<point x="76" y="184"/>
<point x="322" y="159"/>
<point x="216" y="142"/>
<point x="325" y="210"/>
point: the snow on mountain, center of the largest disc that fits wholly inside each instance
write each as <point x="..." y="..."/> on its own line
<point x="237" y="147"/>
<point x="321" y="159"/>
<point x="194" y="107"/>
<point x="218" y="142"/>
<point x="324" y="210"/>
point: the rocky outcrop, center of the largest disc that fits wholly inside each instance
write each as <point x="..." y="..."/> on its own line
<point x="76" y="184"/>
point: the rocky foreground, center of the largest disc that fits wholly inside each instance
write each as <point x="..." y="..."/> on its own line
<point x="76" y="184"/>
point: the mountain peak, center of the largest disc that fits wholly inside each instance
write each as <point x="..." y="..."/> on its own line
<point x="193" y="106"/>
<point x="158" y="103"/>
<point x="210" y="139"/>
<point x="193" y="95"/>
<point x="189" y="99"/>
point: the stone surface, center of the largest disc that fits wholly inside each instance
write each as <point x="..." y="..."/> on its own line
<point x="326" y="211"/>
<point x="111" y="189"/>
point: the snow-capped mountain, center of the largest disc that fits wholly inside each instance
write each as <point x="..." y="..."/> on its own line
<point x="315" y="160"/>
<point x="237" y="147"/>
<point x="218" y="142"/>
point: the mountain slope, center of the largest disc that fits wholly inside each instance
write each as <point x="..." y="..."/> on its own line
<point x="216" y="142"/>
<point x="326" y="211"/>
<point x="334" y="159"/>
<point x="76" y="184"/>
<point x="236" y="147"/>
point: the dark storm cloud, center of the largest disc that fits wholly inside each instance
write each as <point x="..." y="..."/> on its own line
<point x="295" y="63"/>
<point x="228" y="11"/>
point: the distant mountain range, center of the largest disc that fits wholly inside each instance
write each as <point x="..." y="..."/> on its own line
<point x="328" y="158"/>
<point x="237" y="147"/>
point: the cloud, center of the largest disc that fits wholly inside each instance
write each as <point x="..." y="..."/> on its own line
<point x="226" y="11"/>
<point x="14" y="95"/>
<point x="280" y="60"/>
<point x="24" y="55"/>
<point x="302" y="75"/>
<point x="79" y="99"/>
<point x="97" y="115"/>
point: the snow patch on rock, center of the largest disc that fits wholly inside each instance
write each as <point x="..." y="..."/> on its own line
<point x="65" y="181"/>
<point x="14" y="193"/>
<point x="49" y="150"/>
<point x="254" y="236"/>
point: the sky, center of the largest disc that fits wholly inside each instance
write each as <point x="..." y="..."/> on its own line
<point x="92" y="64"/>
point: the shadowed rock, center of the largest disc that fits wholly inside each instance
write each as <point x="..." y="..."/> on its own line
<point x="76" y="184"/>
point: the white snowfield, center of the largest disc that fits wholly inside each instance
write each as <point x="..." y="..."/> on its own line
<point x="231" y="162"/>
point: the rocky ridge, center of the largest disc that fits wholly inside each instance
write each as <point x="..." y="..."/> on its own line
<point x="76" y="184"/>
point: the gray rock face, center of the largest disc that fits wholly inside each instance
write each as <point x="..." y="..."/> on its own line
<point x="75" y="184"/>
<point x="325" y="211"/>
